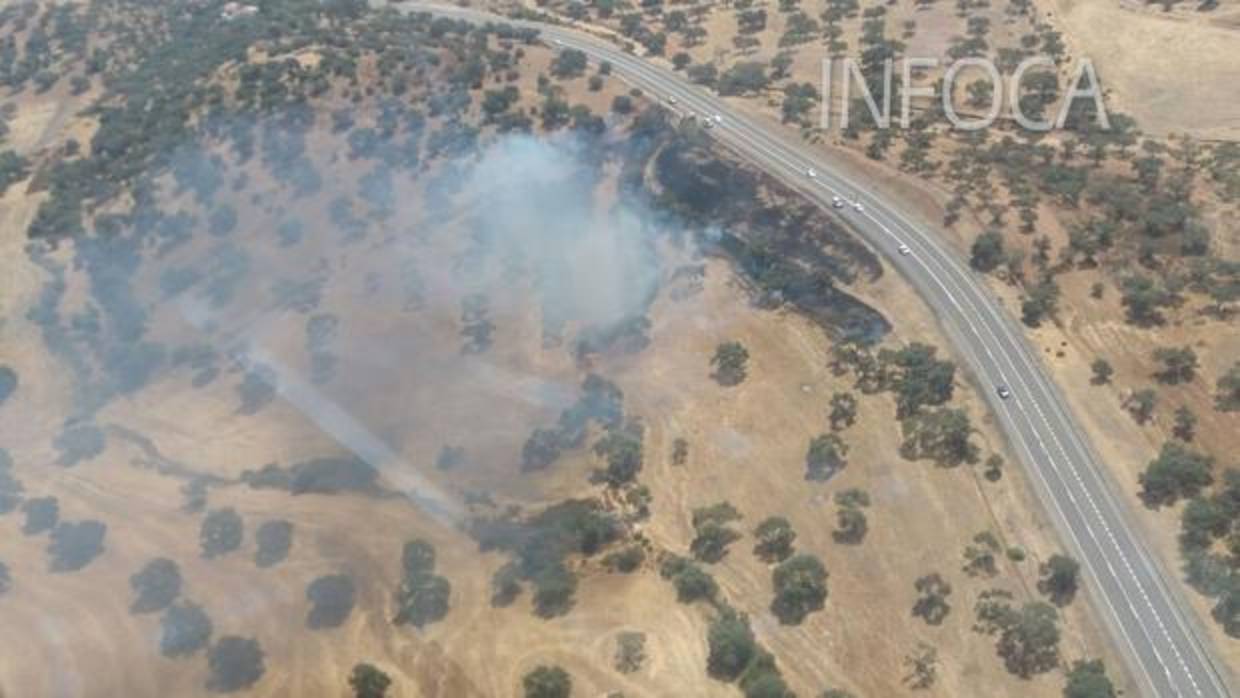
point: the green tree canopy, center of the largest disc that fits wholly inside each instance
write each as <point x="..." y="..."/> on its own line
<point x="547" y="682"/>
<point x="184" y="629"/>
<point x="155" y="586"/>
<point x="694" y="583"/>
<point x="1029" y="641"/>
<point x="942" y="436"/>
<point x="367" y="681"/>
<point x="1141" y="404"/>
<point x="730" y="362"/>
<point x="1088" y="680"/>
<point x="423" y="596"/>
<point x="918" y="379"/>
<point x="711" y="542"/>
<point x="825" y="457"/>
<point x="1177" y="472"/>
<point x="745" y="77"/>
<point x="843" y="410"/>
<point x="569" y="63"/>
<point x="850" y="525"/>
<point x="8" y="379"/>
<point x="731" y="643"/>
<point x="1185" y="425"/>
<point x="1227" y="390"/>
<point x="222" y="530"/>
<point x="1144" y="298"/>
<point x="234" y="663"/>
<point x="931" y="605"/>
<point x="800" y="588"/>
<point x="987" y="252"/>
<point x="774" y="537"/>
<point x="1059" y="579"/>
<point x="1179" y="365"/>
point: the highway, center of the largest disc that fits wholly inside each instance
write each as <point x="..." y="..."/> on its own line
<point x="1154" y="629"/>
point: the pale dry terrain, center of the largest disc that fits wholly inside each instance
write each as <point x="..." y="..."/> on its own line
<point x="402" y="374"/>
<point x="405" y="378"/>
<point x="1175" y="72"/>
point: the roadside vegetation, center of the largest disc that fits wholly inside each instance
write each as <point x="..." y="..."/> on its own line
<point x="1143" y="219"/>
<point x="406" y="94"/>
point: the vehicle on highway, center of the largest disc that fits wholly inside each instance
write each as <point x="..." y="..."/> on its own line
<point x="857" y="206"/>
<point x="671" y="100"/>
<point x="718" y="118"/>
<point x="1003" y="391"/>
<point x="904" y="249"/>
<point x="811" y="173"/>
<point x="837" y="202"/>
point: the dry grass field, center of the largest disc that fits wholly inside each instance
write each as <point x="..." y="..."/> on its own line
<point x="1172" y="69"/>
<point x="399" y="291"/>
<point x="404" y="377"/>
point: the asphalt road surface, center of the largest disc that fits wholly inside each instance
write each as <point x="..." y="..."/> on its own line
<point x="1152" y="625"/>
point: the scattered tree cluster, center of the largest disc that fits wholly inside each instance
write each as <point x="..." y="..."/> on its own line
<point x="222" y="532"/>
<point x="825" y="457"/>
<point x="621" y="449"/>
<point x="692" y="583"/>
<point x="547" y="682"/>
<point x="11" y="489"/>
<point x="185" y="628"/>
<point x="540" y="546"/>
<point x="735" y="655"/>
<point x="234" y="663"/>
<point x="331" y="600"/>
<point x="601" y="402"/>
<point x="1088" y="679"/>
<point x="1176" y="473"/>
<point x="932" y="592"/>
<point x="75" y="545"/>
<point x="800" y="588"/>
<point x="713" y="532"/>
<point x="1059" y="579"/>
<point x="630" y="651"/>
<point x="850" y="521"/>
<point x="922" y="385"/>
<point x="423" y="596"/>
<point x="731" y="361"/>
<point x="1208" y="518"/>
<point x="155" y="586"/>
<point x="774" y="539"/>
<point x="1027" y="637"/>
<point x="42" y="514"/>
<point x="979" y="556"/>
<point x="273" y="539"/>
<point x="368" y="681"/>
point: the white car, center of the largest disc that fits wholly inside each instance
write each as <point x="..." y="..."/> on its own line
<point x="837" y="202"/>
<point x="904" y="249"/>
<point x="811" y="173"/>
<point x="718" y="119"/>
<point x="857" y="206"/>
<point x="558" y="42"/>
<point x="671" y="100"/>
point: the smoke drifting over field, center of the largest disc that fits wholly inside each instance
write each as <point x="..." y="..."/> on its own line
<point x="398" y="284"/>
<point x="538" y="205"/>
